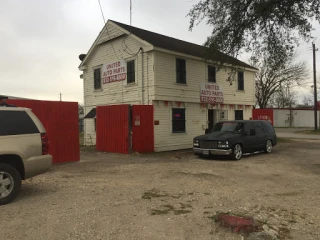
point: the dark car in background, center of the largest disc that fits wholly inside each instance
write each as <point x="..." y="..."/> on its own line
<point x="236" y="138"/>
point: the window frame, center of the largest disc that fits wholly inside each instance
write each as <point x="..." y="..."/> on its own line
<point x="215" y="74"/>
<point x="173" y="121"/>
<point x="95" y="80"/>
<point x="235" y="111"/>
<point x="181" y="74"/>
<point x="240" y="81"/>
<point x="132" y="73"/>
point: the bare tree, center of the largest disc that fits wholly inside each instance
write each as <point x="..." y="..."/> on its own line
<point x="276" y="78"/>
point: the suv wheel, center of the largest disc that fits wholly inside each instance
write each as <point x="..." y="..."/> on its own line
<point x="237" y="152"/>
<point x="268" y="148"/>
<point x="10" y="183"/>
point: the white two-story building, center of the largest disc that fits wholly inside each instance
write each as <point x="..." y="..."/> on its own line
<point x="128" y="65"/>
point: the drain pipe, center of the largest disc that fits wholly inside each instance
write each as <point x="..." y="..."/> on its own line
<point x="142" y="78"/>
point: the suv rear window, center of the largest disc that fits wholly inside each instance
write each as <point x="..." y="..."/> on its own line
<point x="16" y="123"/>
<point x="267" y="126"/>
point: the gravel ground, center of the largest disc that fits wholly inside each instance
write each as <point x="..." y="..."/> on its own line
<point x="169" y="196"/>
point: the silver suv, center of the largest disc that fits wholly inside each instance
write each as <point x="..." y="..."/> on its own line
<point x="23" y="150"/>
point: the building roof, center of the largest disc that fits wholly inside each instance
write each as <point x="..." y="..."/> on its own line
<point x="173" y="44"/>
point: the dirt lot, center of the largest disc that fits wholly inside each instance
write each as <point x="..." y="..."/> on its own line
<point x="169" y="196"/>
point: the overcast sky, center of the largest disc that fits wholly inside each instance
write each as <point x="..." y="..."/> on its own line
<point x="42" y="39"/>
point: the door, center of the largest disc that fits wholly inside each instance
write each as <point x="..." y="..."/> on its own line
<point x="249" y="142"/>
<point x="238" y="114"/>
<point x="211" y="119"/>
<point x="260" y="136"/>
<point x="142" y="121"/>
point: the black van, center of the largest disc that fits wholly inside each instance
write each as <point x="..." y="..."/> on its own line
<point x="235" y="138"/>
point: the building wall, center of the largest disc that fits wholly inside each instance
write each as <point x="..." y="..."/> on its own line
<point x="294" y="118"/>
<point x="116" y="92"/>
<point x="196" y="123"/>
<point x="167" y="88"/>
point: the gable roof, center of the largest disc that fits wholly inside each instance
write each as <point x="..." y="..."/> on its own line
<point x="176" y="45"/>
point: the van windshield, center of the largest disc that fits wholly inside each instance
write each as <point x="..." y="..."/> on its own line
<point x="228" y="127"/>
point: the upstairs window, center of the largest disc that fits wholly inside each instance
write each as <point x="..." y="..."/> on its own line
<point x="181" y="71"/>
<point x="131" y="75"/>
<point x="97" y="79"/>
<point x="240" y="81"/>
<point x="178" y="120"/>
<point x="211" y="74"/>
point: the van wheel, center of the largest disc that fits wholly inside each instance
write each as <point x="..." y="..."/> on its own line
<point x="237" y="152"/>
<point x="268" y="147"/>
<point x="10" y="183"/>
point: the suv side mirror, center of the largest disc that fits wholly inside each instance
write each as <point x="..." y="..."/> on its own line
<point x="252" y="132"/>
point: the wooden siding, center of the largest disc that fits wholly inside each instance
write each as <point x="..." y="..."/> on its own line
<point x="166" y="87"/>
<point x="116" y="92"/>
<point x="196" y="123"/>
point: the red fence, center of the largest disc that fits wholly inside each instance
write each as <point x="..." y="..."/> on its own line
<point x="142" y="128"/>
<point x="113" y="128"/>
<point x="60" y="120"/>
<point x="122" y="128"/>
<point x="263" y="114"/>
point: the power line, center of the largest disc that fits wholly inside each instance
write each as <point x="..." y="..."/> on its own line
<point x="104" y="20"/>
<point x="107" y="30"/>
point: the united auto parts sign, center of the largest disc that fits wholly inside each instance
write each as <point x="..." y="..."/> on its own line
<point x="114" y="72"/>
<point x="211" y="93"/>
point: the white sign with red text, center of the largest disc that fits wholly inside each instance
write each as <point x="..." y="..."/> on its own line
<point x="211" y="93"/>
<point x="114" y="72"/>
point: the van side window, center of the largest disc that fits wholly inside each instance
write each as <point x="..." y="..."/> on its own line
<point x="267" y="126"/>
<point x="16" y="123"/>
<point x="248" y="126"/>
<point x="258" y="127"/>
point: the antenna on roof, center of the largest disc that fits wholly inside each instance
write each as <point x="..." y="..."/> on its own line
<point x="130" y="12"/>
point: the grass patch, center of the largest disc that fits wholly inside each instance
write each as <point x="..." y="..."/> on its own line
<point x="153" y="193"/>
<point x="81" y="138"/>
<point x="88" y="148"/>
<point x="166" y="209"/>
<point x="284" y="140"/>
<point x="181" y="211"/>
<point x="311" y="132"/>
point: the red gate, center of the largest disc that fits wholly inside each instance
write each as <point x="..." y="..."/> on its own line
<point x="142" y="128"/>
<point x="60" y="119"/>
<point x="113" y="128"/>
<point x="263" y="114"/>
<point x="122" y="128"/>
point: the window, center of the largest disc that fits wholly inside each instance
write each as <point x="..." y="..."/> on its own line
<point x="247" y="127"/>
<point x="267" y="126"/>
<point x="224" y="115"/>
<point x="238" y="114"/>
<point x="211" y="74"/>
<point x="97" y="78"/>
<point x="240" y="81"/>
<point x="131" y="76"/>
<point x="258" y="127"/>
<point x="178" y="120"/>
<point x="16" y="123"/>
<point x="181" y="71"/>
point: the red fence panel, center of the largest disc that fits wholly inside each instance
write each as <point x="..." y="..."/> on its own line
<point x="263" y="114"/>
<point x="60" y="120"/>
<point x="143" y="128"/>
<point x="113" y="128"/>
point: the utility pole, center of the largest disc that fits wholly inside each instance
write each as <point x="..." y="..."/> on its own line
<point x="130" y="12"/>
<point x="315" y="87"/>
<point x="60" y="97"/>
